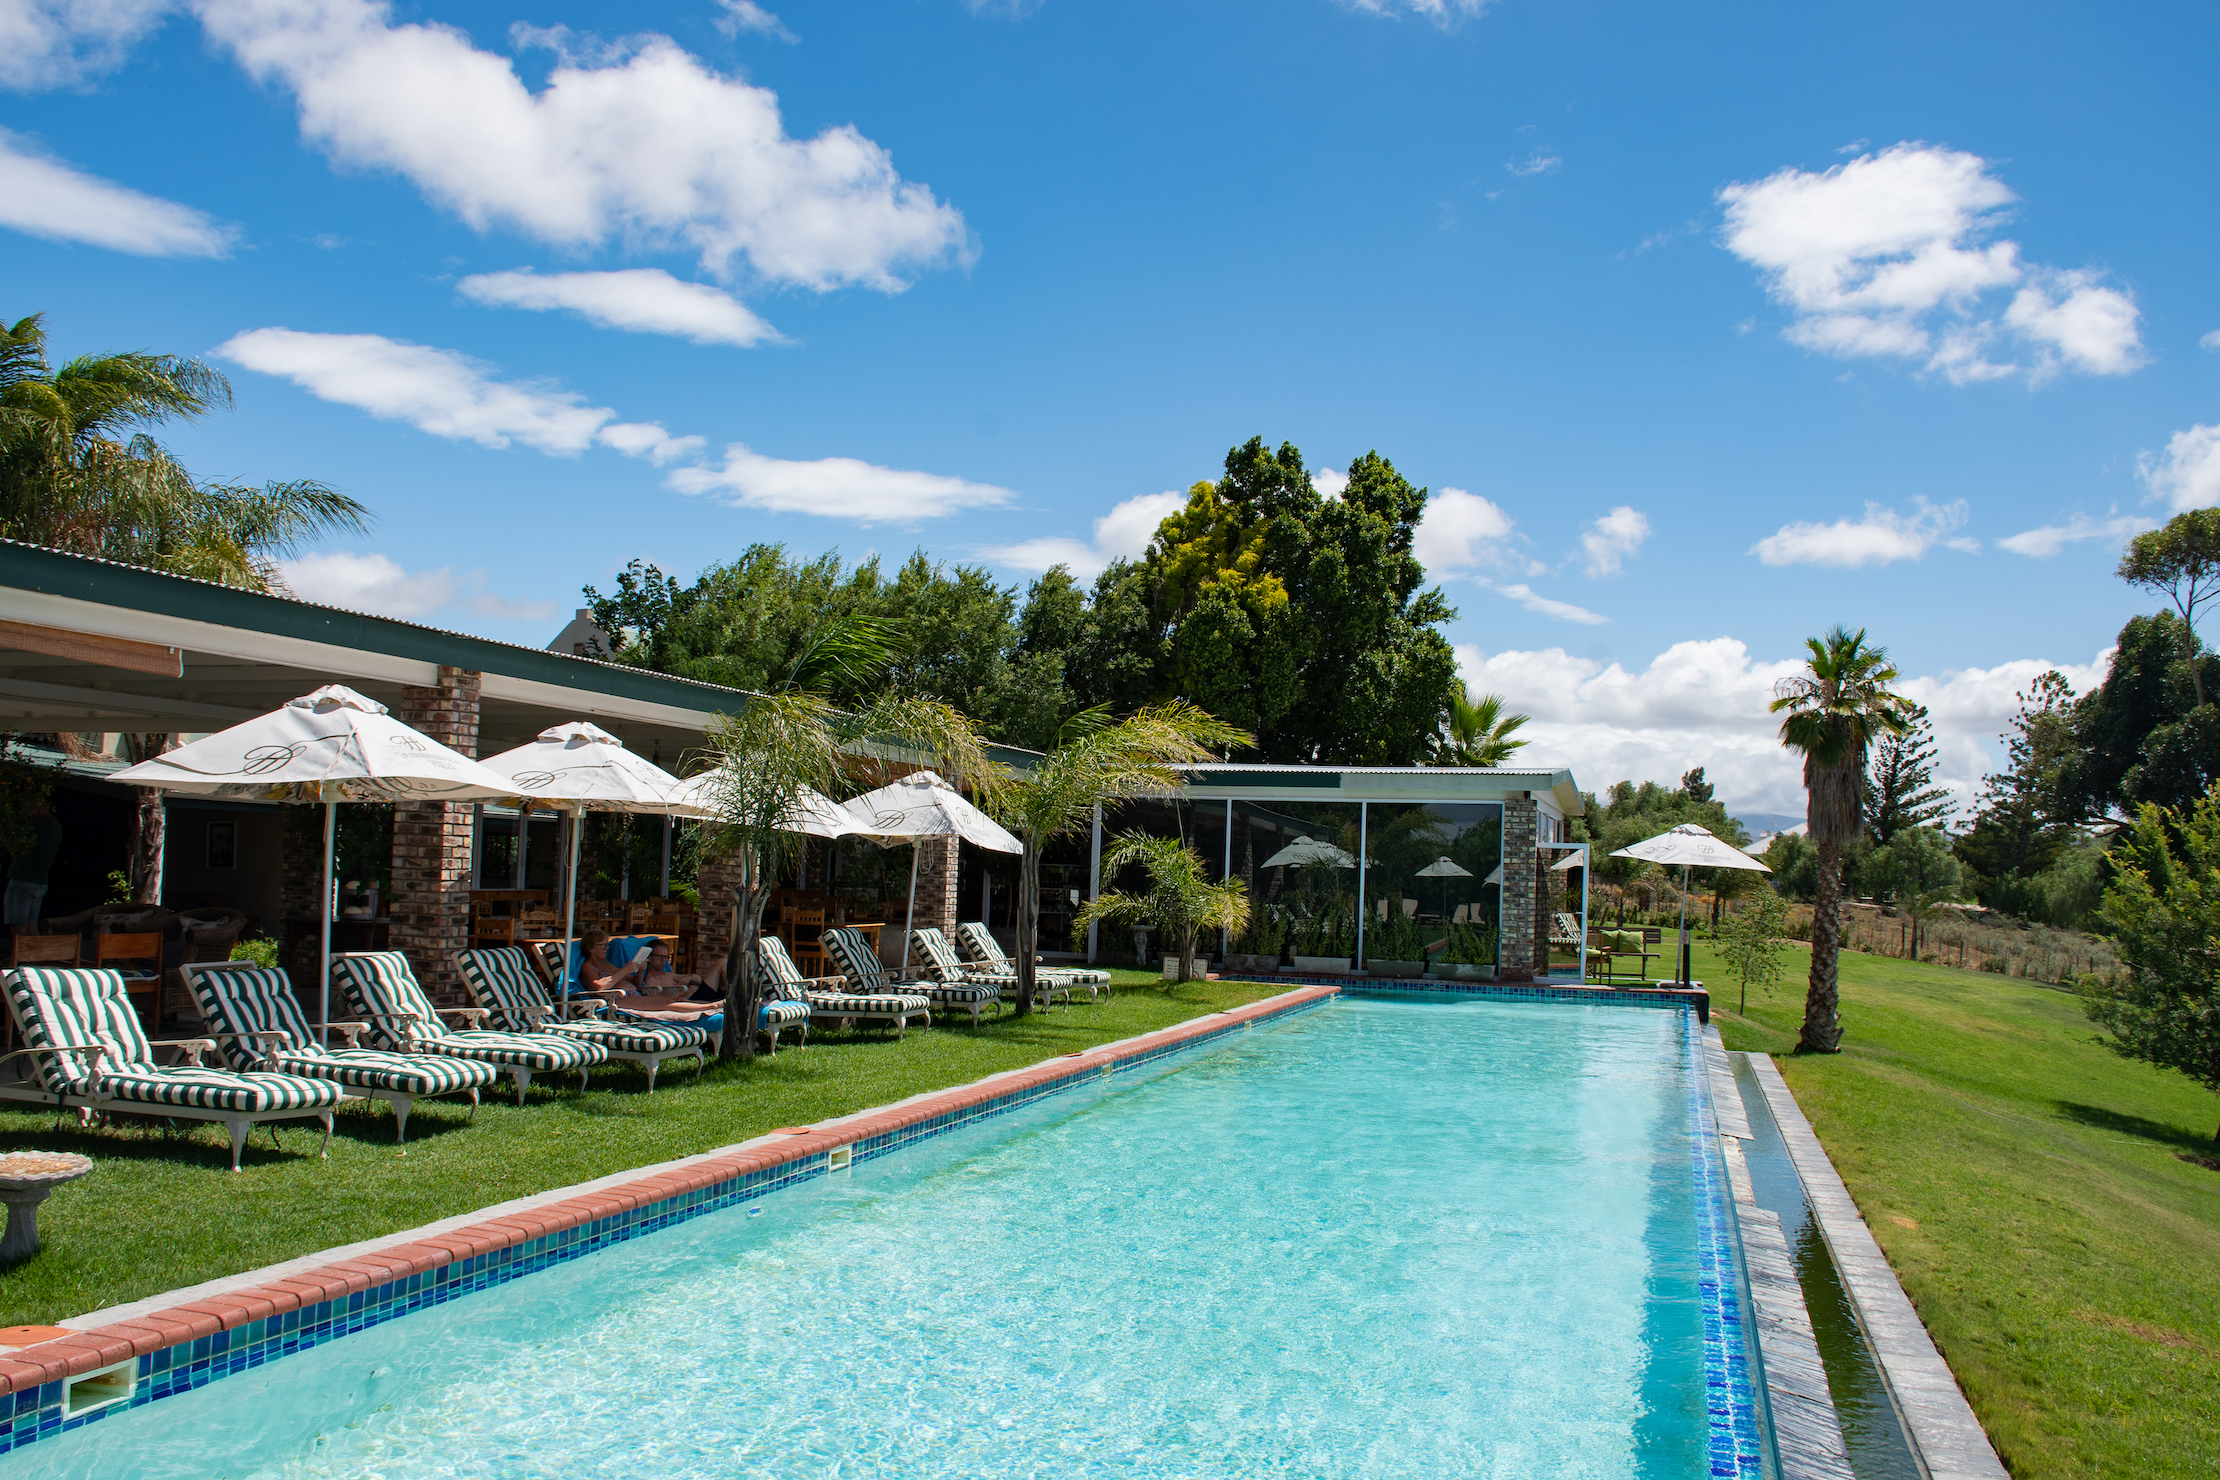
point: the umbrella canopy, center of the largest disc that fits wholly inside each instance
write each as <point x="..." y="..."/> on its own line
<point x="331" y="746"/>
<point x="921" y="805"/>
<point x="1689" y="846"/>
<point x="1309" y="850"/>
<point x="813" y="814"/>
<point x="1444" y="868"/>
<point x="581" y="767"/>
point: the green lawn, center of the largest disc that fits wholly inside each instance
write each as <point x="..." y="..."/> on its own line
<point x="163" y="1209"/>
<point x="2028" y="1186"/>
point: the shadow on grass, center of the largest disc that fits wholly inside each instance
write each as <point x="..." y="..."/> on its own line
<point x="2098" y="1118"/>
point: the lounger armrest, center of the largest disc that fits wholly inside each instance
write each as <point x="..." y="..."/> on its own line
<point x="406" y="1020"/>
<point x="471" y="1015"/>
<point x="95" y="1049"/>
<point x="352" y="1031"/>
<point x="192" y="1047"/>
<point x="828" y="983"/>
<point x="256" y="1039"/>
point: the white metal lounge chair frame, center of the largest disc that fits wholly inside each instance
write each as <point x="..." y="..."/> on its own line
<point x="583" y="1007"/>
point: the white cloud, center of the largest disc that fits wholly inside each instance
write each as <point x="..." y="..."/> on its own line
<point x="382" y="585"/>
<point x="2187" y="474"/>
<point x="445" y="393"/>
<point x="2044" y="542"/>
<point x="1443" y="13"/>
<point x="1122" y="534"/>
<point x="644" y="300"/>
<point x="44" y="196"/>
<point x="1612" y="540"/>
<point x="834" y="488"/>
<point x="1548" y="606"/>
<point x="654" y="149"/>
<point x="746" y="15"/>
<point x="1882" y="536"/>
<point x="2211" y="341"/>
<point x="1329" y="481"/>
<point x="1706" y="703"/>
<point x="1459" y="531"/>
<point x="1537" y="163"/>
<point x="55" y="43"/>
<point x="1888" y="255"/>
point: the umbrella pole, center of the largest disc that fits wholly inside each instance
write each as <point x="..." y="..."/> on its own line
<point x="910" y="922"/>
<point x="1684" y="924"/>
<point x="323" y="976"/>
<point x="570" y="905"/>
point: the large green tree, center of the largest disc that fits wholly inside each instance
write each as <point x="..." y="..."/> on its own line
<point x="2028" y="812"/>
<point x="1834" y="710"/>
<point x="2180" y="560"/>
<point x="1900" y="788"/>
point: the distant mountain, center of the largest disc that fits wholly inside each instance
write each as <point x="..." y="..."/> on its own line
<point x="1759" y="823"/>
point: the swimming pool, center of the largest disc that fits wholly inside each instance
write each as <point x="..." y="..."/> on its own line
<point x="1381" y="1237"/>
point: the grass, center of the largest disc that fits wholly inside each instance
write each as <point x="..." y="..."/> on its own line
<point x="162" y="1208"/>
<point x="2031" y="1190"/>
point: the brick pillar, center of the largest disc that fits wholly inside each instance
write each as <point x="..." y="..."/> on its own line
<point x="717" y="882"/>
<point x="936" y="890"/>
<point x="1515" y="951"/>
<point x="431" y="842"/>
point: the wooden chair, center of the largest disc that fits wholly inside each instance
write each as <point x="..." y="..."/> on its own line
<point x="133" y="953"/>
<point x="805" y="943"/>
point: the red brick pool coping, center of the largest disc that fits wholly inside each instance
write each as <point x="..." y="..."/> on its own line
<point x="86" y="1348"/>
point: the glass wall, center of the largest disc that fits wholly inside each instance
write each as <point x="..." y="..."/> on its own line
<point x="1299" y="860"/>
<point x="1432" y="884"/>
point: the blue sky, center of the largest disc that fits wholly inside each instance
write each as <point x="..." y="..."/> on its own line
<point x="1708" y="326"/>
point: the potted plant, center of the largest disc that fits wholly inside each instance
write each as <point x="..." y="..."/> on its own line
<point x="1469" y="954"/>
<point x="1323" y="943"/>
<point x="1258" y="947"/>
<point x="1179" y="901"/>
<point x="1395" y="947"/>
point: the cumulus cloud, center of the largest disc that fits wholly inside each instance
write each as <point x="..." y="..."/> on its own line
<point x="1548" y="606"/>
<point x="444" y="393"/>
<point x="834" y="488"/>
<point x="1329" y="481"/>
<point x="644" y="300"/>
<point x="1443" y="13"/>
<point x="2047" y="540"/>
<point x="1882" y="536"/>
<point x="43" y="196"/>
<point x="1122" y="534"/>
<point x="652" y="148"/>
<point x="382" y="585"/>
<point x="1890" y="255"/>
<point x="2187" y="474"/>
<point x="1705" y="703"/>
<point x="56" y="43"/>
<point x="1614" y="539"/>
<point x="1460" y="531"/>
<point x="746" y="15"/>
<point x="2211" y="340"/>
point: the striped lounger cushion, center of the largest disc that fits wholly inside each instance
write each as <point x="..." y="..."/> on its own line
<point x="956" y="983"/>
<point x="240" y="999"/>
<point x="835" y="1004"/>
<point x="380" y="986"/>
<point x="503" y="980"/>
<point x="58" y="1005"/>
<point x="982" y="949"/>
<point x="848" y="950"/>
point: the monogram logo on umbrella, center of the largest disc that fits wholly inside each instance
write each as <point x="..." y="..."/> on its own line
<point x="407" y="742"/>
<point x="264" y="759"/>
<point x="535" y="780"/>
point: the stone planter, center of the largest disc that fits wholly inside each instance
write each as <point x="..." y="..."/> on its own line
<point x="1238" y="962"/>
<point x="1321" y="963"/>
<point x="1379" y="966"/>
<point x="1171" y="968"/>
<point x="1466" y="973"/>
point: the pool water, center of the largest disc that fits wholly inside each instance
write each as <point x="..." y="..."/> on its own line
<point x="1380" y="1238"/>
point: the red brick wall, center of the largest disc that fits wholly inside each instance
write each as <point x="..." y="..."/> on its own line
<point x="1518" y="954"/>
<point x="431" y="842"/>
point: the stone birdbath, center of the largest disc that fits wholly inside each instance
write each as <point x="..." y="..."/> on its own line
<point x="28" y="1178"/>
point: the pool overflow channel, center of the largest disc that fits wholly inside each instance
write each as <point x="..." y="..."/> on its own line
<point x="1798" y="1389"/>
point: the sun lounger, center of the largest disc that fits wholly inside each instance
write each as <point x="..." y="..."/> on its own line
<point x="981" y="949"/>
<point x="946" y="980"/>
<point x="382" y="990"/>
<point x="259" y="1024"/>
<point x="85" y="1038"/>
<point x="829" y="997"/>
<point x="502" y="981"/>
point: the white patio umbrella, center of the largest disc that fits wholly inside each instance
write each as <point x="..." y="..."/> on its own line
<point x="580" y="767"/>
<point x="813" y="814"/>
<point x="331" y="746"/>
<point x="1309" y="850"/>
<point x="1445" y="869"/>
<point x="1690" y="847"/>
<point x="922" y="805"/>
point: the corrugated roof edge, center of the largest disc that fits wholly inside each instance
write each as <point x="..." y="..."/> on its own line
<point x="1551" y="771"/>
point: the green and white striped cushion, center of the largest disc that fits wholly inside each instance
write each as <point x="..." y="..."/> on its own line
<point x="940" y="958"/>
<point x="502" y="980"/>
<point x="395" y="1073"/>
<point x="833" y="1004"/>
<point x="381" y="986"/>
<point x="982" y="949"/>
<point x="781" y="1012"/>
<point x="636" y="1036"/>
<point x="849" y="951"/>
<point x="782" y="979"/>
<point x="215" y="1089"/>
<point x="239" y="998"/>
<point x="951" y="995"/>
<point x="77" y="1005"/>
<point x="542" y="1053"/>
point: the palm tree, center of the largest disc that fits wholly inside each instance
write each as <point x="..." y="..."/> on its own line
<point x="766" y="754"/>
<point x="79" y="471"/>
<point x="1477" y="731"/>
<point x="1836" y="708"/>
<point x="1096" y="760"/>
<point x="1180" y="901"/>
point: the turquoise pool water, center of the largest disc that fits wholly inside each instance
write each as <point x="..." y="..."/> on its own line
<point x="1381" y="1238"/>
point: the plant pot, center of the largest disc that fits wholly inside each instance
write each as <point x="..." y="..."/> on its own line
<point x="1238" y="962"/>
<point x="1321" y="963"/>
<point x="1381" y="966"/>
<point x="1468" y="973"/>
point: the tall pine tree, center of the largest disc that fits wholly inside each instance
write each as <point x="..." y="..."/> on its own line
<point x="1900" y="788"/>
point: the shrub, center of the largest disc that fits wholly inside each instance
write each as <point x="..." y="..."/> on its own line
<point x="259" y="949"/>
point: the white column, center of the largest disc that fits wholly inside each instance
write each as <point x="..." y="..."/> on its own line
<point x="1094" y="884"/>
<point x="1364" y="907"/>
<point x="1225" y="936"/>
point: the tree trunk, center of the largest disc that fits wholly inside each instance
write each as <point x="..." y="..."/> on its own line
<point x="1028" y="922"/>
<point x="743" y="995"/>
<point x="1822" y="1029"/>
<point x="1187" y="955"/>
<point x="148" y="826"/>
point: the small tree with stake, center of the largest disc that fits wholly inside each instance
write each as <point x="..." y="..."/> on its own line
<point x="1752" y="942"/>
<point x="2164" y="904"/>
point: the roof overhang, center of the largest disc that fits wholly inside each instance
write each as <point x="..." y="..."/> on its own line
<point x="1413" y="784"/>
